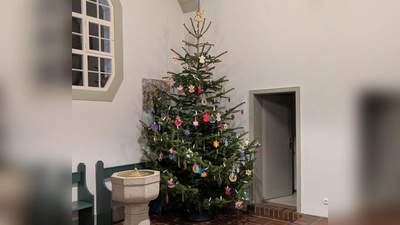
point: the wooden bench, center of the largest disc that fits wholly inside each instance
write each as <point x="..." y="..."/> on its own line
<point x="104" y="201"/>
<point x="85" y="202"/>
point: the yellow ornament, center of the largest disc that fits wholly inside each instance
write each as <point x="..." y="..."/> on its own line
<point x="198" y="18"/>
<point x="216" y="144"/>
<point x="222" y="62"/>
<point x="248" y="172"/>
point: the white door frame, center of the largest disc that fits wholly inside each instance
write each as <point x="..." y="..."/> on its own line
<point x="259" y="177"/>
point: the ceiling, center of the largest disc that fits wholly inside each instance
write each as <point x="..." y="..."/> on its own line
<point x="188" y="5"/>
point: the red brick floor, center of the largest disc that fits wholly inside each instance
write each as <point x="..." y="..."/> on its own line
<point x="236" y="217"/>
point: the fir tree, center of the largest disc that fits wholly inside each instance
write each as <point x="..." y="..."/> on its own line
<point x="205" y="164"/>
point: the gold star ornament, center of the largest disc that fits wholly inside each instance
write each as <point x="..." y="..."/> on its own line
<point x="216" y="144"/>
<point x="248" y="172"/>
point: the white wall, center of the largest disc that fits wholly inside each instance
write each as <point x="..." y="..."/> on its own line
<point x="328" y="48"/>
<point x="110" y="131"/>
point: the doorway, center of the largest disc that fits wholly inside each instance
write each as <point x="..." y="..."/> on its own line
<point x="275" y="120"/>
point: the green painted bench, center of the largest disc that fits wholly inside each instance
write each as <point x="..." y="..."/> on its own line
<point x="104" y="201"/>
<point x="85" y="202"/>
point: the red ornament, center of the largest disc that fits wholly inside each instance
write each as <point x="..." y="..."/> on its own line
<point x="206" y="117"/>
<point x="227" y="190"/>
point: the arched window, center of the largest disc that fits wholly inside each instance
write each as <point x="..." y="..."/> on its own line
<point x="96" y="61"/>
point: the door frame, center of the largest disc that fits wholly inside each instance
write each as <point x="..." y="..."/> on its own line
<point x="259" y="178"/>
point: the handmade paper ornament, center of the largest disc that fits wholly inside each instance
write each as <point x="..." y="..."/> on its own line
<point x="175" y="59"/>
<point x="191" y="88"/>
<point x="246" y="195"/>
<point x="187" y="132"/>
<point x="257" y="146"/>
<point x="207" y="68"/>
<point x="171" y="81"/>
<point x="222" y="62"/>
<point x="180" y="89"/>
<point x="189" y="153"/>
<point x="171" y="183"/>
<point x="232" y="177"/>
<point x="212" y="119"/>
<point x="225" y="126"/>
<point x="219" y="123"/>
<point x="195" y="168"/>
<point x="160" y="156"/>
<point x="226" y="142"/>
<point x="204" y="174"/>
<point x="246" y="142"/>
<point x="227" y="190"/>
<point x="198" y="17"/>
<point x="219" y="181"/>
<point x="204" y="101"/>
<point x="201" y="170"/>
<point x="195" y="122"/>
<point x="216" y="144"/>
<point x="178" y="121"/>
<point x="218" y="117"/>
<point x="239" y="204"/>
<point x="172" y="154"/>
<point x="248" y="172"/>
<point x="199" y="89"/>
<point x="202" y="59"/>
<point x="206" y="117"/>
<point x="154" y="126"/>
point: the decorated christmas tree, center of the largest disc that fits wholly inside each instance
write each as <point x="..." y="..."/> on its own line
<point x="205" y="162"/>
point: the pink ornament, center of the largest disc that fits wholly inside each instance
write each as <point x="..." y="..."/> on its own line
<point x="199" y="89"/>
<point x="227" y="190"/>
<point x="178" y="121"/>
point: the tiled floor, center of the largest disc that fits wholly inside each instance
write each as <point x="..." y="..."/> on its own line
<point x="236" y="217"/>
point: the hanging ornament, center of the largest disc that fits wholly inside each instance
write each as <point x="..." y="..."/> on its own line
<point x="199" y="89"/>
<point x="232" y="177"/>
<point x="219" y="181"/>
<point x="226" y="142"/>
<point x="191" y="88"/>
<point x="212" y="119"/>
<point x="239" y="204"/>
<point x="248" y="172"/>
<point x="195" y="122"/>
<point x="242" y="112"/>
<point x="204" y="174"/>
<point x="222" y="62"/>
<point x="180" y="89"/>
<point x="246" y="142"/>
<point x="154" y="126"/>
<point x="224" y="163"/>
<point x="206" y="117"/>
<point x="219" y="123"/>
<point x="204" y="101"/>
<point x="257" y="146"/>
<point x="225" y="126"/>
<point x="160" y="156"/>
<point x="175" y="59"/>
<point x="189" y="153"/>
<point x="187" y="132"/>
<point x="155" y="139"/>
<point x="171" y="183"/>
<point x="233" y="116"/>
<point x="227" y="190"/>
<point x="218" y="115"/>
<point x="207" y="68"/>
<point x="229" y="99"/>
<point x="195" y="168"/>
<point x="245" y="195"/>
<point x="198" y="17"/>
<point x="237" y="169"/>
<point x="178" y="121"/>
<point x="242" y="154"/>
<point x="216" y="144"/>
<point x="202" y="59"/>
<point x="171" y="81"/>
<point x="201" y="170"/>
<point x="172" y="154"/>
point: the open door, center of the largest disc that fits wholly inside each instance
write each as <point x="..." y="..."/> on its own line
<point x="278" y="134"/>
